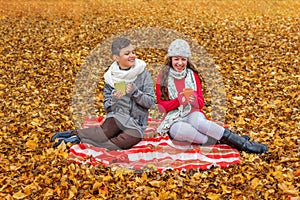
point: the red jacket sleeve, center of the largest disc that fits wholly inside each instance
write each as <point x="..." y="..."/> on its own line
<point x="200" y="97"/>
<point x="168" y="105"/>
<point x="164" y="106"/>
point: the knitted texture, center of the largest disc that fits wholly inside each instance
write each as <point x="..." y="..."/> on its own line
<point x="179" y="47"/>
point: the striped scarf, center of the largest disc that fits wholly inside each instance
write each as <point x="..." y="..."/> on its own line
<point x="180" y="112"/>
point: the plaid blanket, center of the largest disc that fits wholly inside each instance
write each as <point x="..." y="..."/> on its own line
<point x="157" y="152"/>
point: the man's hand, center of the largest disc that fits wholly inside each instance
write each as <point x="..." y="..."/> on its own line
<point x="118" y="94"/>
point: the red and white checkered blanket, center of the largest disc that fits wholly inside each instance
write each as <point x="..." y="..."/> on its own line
<point x="158" y="152"/>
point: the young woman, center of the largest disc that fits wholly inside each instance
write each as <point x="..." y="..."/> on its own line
<point x="127" y="111"/>
<point x="184" y="119"/>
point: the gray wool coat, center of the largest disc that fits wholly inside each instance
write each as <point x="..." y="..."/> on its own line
<point x="132" y="109"/>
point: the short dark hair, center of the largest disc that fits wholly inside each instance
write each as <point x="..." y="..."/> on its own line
<point x="118" y="44"/>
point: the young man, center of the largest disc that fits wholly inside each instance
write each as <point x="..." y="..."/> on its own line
<point x="127" y="111"/>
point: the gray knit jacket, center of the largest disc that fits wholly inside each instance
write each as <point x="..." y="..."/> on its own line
<point x="132" y="109"/>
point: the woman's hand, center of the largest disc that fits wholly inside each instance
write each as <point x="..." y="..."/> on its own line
<point x="182" y="100"/>
<point x="192" y="98"/>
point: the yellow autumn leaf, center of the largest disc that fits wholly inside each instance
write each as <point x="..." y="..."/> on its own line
<point x="107" y="178"/>
<point x="71" y="194"/>
<point x="155" y="183"/>
<point x="239" y="98"/>
<point x="49" y="193"/>
<point x="31" y="145"/>
<point x="97" y="185"/>
<point x="213" y="196"/>
<point x="254" y="183"/>
<point x="144" y="177"/>
<point x="19" y="195"/>
<point x="225" y="189"/>
<point x="64" y="154"/>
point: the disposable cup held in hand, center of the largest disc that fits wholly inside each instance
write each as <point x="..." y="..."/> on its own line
<point x="121" y="86"/>
<point x="187" y="92"/>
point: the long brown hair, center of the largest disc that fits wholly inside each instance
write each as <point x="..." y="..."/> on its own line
<point x="165" y="73"/>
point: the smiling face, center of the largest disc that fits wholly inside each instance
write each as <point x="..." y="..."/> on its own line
<point x="179" y="63"/>
<point x="126" y="58"/>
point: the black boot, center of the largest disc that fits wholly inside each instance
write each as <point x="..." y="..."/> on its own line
<point x="242" y="144"/>
<point x="246" y="137"/>
<point x="211" y="141"/>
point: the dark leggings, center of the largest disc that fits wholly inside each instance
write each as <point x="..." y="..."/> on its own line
<point x="111" y="135"/>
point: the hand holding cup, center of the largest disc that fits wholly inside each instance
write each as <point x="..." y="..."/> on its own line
<point x="188" y="92"/>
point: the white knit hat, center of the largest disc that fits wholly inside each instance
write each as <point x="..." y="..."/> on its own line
<point x="179" y="47"/>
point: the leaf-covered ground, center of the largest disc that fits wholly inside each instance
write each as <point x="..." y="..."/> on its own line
<point x="43" y="44"/>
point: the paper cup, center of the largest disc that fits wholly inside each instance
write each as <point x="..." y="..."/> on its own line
<point x="187" y="92"/>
